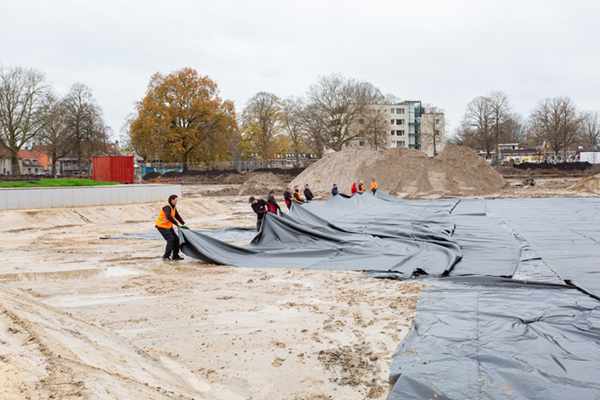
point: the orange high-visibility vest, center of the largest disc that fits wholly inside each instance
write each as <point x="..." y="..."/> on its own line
<point x="299" y="198"/>
<point x="373" y="186"/>
<point x="361" y="188"/>
<point x="162" y="221"/>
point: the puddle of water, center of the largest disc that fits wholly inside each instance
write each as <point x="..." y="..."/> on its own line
<point x="65" y="275"/>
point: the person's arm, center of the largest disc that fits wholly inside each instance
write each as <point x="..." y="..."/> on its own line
<point x="178" y="217"/>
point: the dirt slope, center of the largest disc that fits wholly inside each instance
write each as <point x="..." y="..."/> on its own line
<point x="456" y="171"/>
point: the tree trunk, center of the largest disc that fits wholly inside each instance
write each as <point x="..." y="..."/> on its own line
<point x="15" y="169"/>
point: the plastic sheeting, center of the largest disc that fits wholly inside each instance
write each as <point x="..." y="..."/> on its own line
<point x="565" y="233"/>
<point x="363" y="232"/>
<point x="536" y="336"/>
<point x="493" y="338"/>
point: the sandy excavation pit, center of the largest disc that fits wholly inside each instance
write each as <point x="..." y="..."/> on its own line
<point x="83" y="317"/>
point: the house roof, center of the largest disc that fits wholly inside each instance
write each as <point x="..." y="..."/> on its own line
<point x="42" y="157"/>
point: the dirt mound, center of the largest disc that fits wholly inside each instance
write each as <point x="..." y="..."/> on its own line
<point x="259" y="184"/>
<point x="410" y="173"/>
<point x="591" y="183"/>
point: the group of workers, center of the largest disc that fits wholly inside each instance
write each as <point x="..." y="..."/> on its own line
<point x="262" y="207"/>
<point x="169" y="216"/>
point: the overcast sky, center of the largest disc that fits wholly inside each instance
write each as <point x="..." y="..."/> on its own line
<point x="442" y="52"/>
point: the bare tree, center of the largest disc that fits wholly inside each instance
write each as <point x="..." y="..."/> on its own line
<point x="515" y="129"/>
<point x="557" y="121"/>
<point x="374" y="127"/>
<point x="432" y="127"/>
<point x="478" y="124"/>
<point x="24" y="103"/>
<point x="85" y="122"/>
<point x="315" y="135"/>
<point x="500" y="111"/>
<point x="293" y="124"/>
<point x="591" y="127"/>
<point x="336" y="105"/>
<point x="55" y="138"/>
<point x="261" y="122"/>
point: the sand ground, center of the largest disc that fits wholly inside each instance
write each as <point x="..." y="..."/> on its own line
<point x="82" y="317"/>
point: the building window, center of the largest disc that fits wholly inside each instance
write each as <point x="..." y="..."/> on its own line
<point x="437" y="121"/>
<point x="437" y="132"/>
<point x="393" y="133"/>
<point x="393" y="111"/>
<point x="399" y="122"/>
<point x="400" y="133"/>
<point x="399" y="111"/>
<point x="393" y="122"/>
<point x="361" y="144"/>
<point x="399" y="143"/>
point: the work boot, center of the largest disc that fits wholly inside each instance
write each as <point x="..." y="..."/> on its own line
<point x="177" y="258"/>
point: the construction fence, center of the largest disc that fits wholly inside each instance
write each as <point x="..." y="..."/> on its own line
<point x="224" y="165"/>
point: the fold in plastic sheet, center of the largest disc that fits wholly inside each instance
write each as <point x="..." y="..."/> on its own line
<point x="362" y="232"/>
<point x="492" y="338"/>
<point x="565" y="233"/>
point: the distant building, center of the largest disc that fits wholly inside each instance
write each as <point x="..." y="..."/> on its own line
<point x="5" y="161"/>
<point x="510" y="152"/>
<point x="29" y="163"/>
<point x="409" y="125"/>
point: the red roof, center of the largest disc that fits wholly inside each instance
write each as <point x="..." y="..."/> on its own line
<point x="42" y="157"/>
<point x="24" y="153"/>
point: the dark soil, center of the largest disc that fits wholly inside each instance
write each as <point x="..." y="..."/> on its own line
<point x="216" y="176"/>
<point x="577" y="169"/>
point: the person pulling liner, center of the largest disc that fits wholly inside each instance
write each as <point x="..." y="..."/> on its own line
<point x="260" y="208"/>
<point x="287" y="195"/>
<point x="308" y="193"/>
<point x="273" y="206"/>
<point x="297" y="196"/>
<point x="168" y="217"/>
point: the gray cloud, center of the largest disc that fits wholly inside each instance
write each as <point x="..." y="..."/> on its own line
<point x="441" y="52"/>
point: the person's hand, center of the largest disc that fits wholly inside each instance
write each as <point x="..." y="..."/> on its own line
<point x="184" y="226"/>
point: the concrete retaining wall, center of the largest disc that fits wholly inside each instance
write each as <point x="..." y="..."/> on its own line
<point x="78" y="196"/>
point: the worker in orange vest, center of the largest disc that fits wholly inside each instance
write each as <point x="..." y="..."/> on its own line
<point x="361" y="187"/>
<point x="373" y="186"/>
<point x="297" y="196"/>
<point x="166" y="219"/>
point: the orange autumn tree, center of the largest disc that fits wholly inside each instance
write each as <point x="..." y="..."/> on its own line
<point x="183" y="119"/>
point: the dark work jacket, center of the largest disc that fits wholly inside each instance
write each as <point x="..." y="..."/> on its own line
<point x="308" y="194"/>
<point x="167" y="210"/>
<point x="260" y="208"/>
<point x="273" y="206"/>
<point x="288" y="198"/>
<point x="334" y="191"/>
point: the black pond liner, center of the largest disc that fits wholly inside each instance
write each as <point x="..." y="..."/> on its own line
<point x="510" y="302"/>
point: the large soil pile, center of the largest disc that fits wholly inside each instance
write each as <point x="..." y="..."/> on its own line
<point x="259" y="184"/>
<point x="591" y="183"/>
<point x="455" y="171"/>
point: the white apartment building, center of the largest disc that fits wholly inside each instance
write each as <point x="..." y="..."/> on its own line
<point x="410" y="126"/>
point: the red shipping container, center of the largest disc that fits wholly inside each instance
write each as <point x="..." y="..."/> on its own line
<point x="113" y="169"/>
